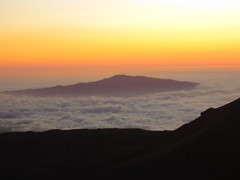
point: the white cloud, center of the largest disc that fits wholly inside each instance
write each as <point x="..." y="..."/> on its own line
<point x="153" y="112"/>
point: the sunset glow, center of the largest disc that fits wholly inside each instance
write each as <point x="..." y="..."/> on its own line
<point x="112" y="82"/>
<point x="118" y="34"/>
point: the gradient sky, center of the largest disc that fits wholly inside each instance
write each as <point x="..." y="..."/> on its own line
<point x="70" y="35"/>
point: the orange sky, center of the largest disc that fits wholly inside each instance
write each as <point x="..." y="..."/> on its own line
<point x="57" y="36"/>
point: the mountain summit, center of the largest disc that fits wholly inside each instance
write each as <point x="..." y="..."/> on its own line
<point x="118" y="85"/>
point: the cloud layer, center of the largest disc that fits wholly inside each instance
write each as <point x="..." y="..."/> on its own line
<point x="159" y="111"/>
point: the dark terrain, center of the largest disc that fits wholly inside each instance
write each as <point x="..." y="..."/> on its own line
<point x="207" y="148"/>
<point x="119" y="85"/>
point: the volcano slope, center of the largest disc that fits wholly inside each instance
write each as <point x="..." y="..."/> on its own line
<point x="118" y="85"/>
<point x="206" y="148"/>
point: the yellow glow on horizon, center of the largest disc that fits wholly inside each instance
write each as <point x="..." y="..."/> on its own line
<point x="113" y="32"/>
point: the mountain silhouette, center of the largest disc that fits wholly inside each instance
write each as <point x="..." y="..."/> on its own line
<point x="119" y="85"/>
<point x="204" y="149"/>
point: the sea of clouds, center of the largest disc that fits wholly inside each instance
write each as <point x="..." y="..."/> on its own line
<point x="160" y="111"/>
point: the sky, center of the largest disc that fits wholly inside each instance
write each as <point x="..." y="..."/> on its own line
<point x="49" y="42"/>
<point x="62" y="38"/>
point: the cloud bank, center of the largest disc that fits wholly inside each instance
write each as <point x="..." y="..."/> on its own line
<point x="160" y="111"/>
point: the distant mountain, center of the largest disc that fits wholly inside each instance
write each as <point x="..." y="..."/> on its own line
<point x="119" y="85"/>
<point x="204" y="149"/>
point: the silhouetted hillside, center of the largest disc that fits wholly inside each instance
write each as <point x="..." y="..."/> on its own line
<point x="119" y="85"/>
<point x="204" y="149"/>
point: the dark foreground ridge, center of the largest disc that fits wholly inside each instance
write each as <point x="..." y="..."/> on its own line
<point x="119" y="85"/>
<point x="204" y="149"/>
